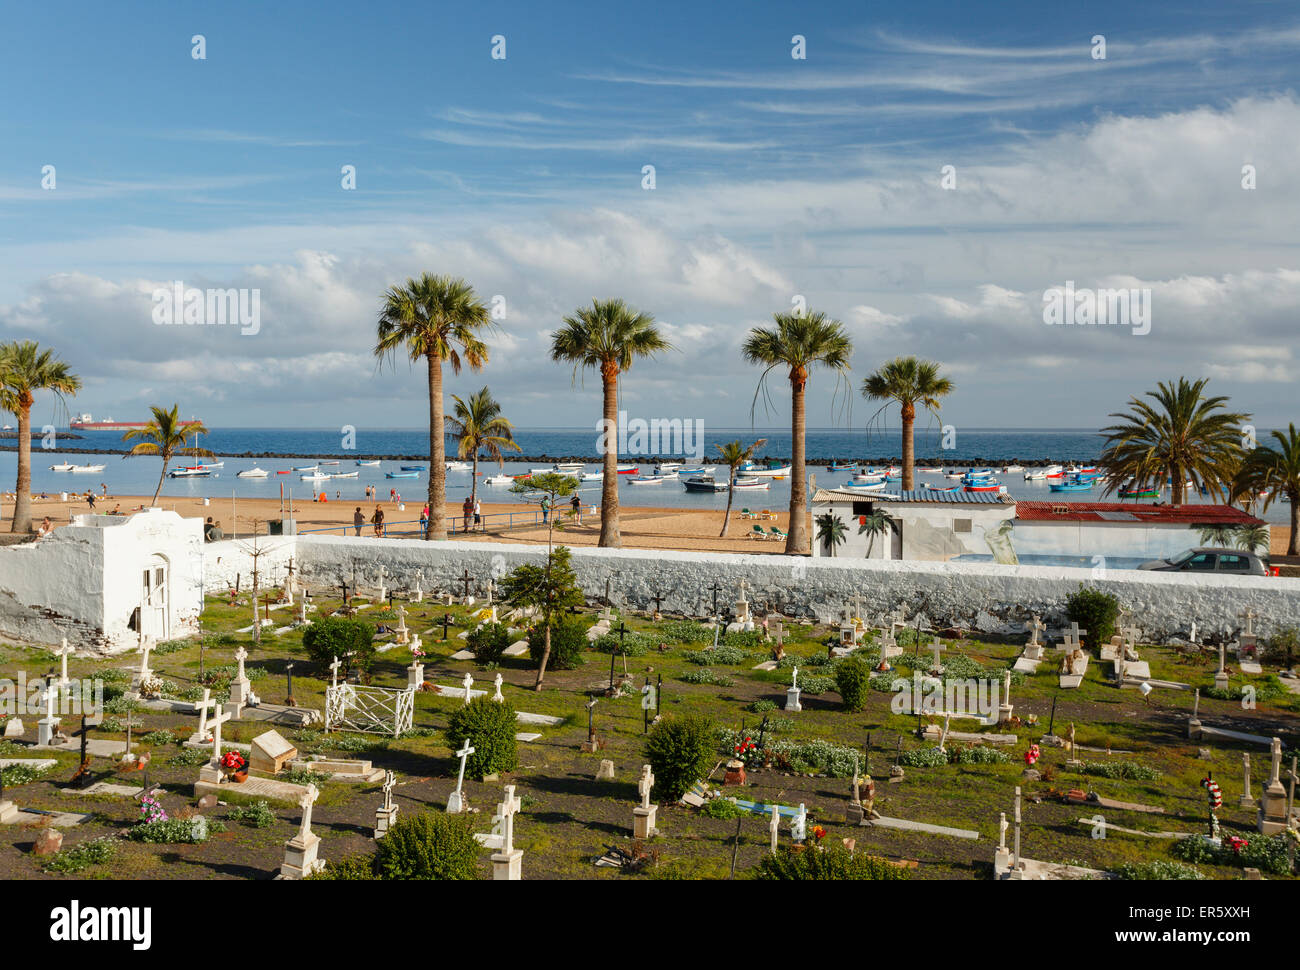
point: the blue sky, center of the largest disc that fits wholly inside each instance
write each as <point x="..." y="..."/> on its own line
<point x="775" y="177"/>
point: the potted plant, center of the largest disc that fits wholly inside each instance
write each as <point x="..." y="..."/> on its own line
<point x="235" y="767"/>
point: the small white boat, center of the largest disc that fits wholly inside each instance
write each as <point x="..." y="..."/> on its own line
<point x="305" y="468"/>
<point x="316" y="477"/>
<point x="593" y="476"/>
<point x="368" y="464"/>
<point x="757" y="471"/>
<point x="344" y="475"/>
<point x="704" y="483"/>
<point x="1008" y="469"/>
<point x="185" y="473"/>
<point x="856" y="486"/>
<point x="329" y="462"/>
<point x="458" y="466"/>
<point x="212" y="464"/>
<point x="648" y="480"/>
<point x="666" y="472"/>
<point x="499" y="480"/>
<point x="570" y="466"/>
<point x="1038" y="474"/>
<point x="671" y="466"/>
<point x="755" y="483"/>
<point x="541" y="471"/>
<point x="252" y="473"/>
<point x="927" y="470"/>
<point x="66" y="466"/>
<point x="83" y="469"/>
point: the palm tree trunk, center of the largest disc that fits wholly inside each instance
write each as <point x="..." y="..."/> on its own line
<point x="1295" y="524"/>
<point x="437" y="527"/>
<point x="908" y="411"/>
<point x="1176" y="485"/>
<point x="609" y="531"/>
<point x="23" y="500"/>
<point x="162" y="475"/>
<point x="797" y="540"/>
<point x="726" y="518"/>
<point x="473" y="481"/>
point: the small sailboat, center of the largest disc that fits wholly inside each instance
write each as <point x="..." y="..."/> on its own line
<point x="344" y="475"/>
<point x="195" y="472"/>
<point x="252" y="473"/>
<point x="628" y="469"/>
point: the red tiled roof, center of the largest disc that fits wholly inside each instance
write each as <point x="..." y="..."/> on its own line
<point x="1190" y="515"/>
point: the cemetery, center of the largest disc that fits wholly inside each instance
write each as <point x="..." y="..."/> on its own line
<point x="303" y="728"/>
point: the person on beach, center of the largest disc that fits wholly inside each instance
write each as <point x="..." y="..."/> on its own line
<point x="478" y="514"/>
<point x="466" y="510"/>
<point x="377" y="520"/>
<point x="358" y="520"/>
<point x="424" y="518"/>
<point x="104" y="488"/>
<point x="576" y="505"/>
<point x="207" y="530"/>
<point x="46" y="528"/>
<point x="217" y="534"/>
<point x="546" y="509"/>
<point x="392" y="495"/>
<point x="90" y="497"/>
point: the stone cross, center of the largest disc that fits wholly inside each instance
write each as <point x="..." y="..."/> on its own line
<point x="208" y="702"/>
<point x="856" y="600"/>
<point x="1249" y="616"/>
<point x="1015" y="861"/>
<point x="390" y="780"/>
<point x="418" y="594"/>
<point x="468" y="682"/>
<point x="1034" y="629"/>
<point x="1075" y="636"/>
<point x="645" y="784"/>
<point x="1002" y="830"/>
<point x="50" y="695"/>
<point x="63" y="657"/>
<point x="778" y="631"/>
<point x="937" y="645"/>
<point x="383" y="590"/>
<point x="506" y="810"/>
<point x="1006" y="687"/>
<point x="241" y="655"/>
<point x="145" y="649"/>
<point x="455" y="802"/>
<point x="219" y="717"/>
<point x="334" y="671"/>
<point x="794" y="678"/>
<point x="774" y="827"/>
<point x="497" y="696"/>
<point x="401" y="618"/>
<point x="1275" y="751"/>
<point x="799" y="827"/>
<point x="305" y="802"/>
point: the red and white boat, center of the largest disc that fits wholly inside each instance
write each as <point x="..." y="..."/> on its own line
<point x="629" y="469"/>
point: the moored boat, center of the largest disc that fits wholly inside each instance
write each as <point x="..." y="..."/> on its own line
<point x="704" y="483"/>
<point x="252" y="473"/>
<point x="401" y="474"/>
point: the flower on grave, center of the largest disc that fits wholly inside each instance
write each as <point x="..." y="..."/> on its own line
<point x="818" y="832"/>
<point x="233" y="761"/>
<point x="151" y="686"/>
<point x="1236" y="843"/>
<point x="151" y="810"/>
<point x="1032" y="755"/>
<point x="416" y="651"/>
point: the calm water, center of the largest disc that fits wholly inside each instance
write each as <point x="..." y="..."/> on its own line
<point x="135" y="476"/>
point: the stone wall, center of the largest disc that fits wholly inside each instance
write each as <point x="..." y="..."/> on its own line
<point x="988" y="597"/>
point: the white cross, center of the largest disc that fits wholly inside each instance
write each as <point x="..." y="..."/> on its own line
<point x="1076" y="635"/>
<point x="241" y="655"/>
<point x="468" y="682"/>
<point x="219" y="717"/>
<point x="937" y="645"/>
<point x="498" y="697"/>
<point x="775" y="826"/>
<point x="208" y="701"/>
<point x="799" y="827"/>
<point x="334" y="670"/>
<point x="466" y="750"/>
<point x="390" y="779"/>
<point x="145" y="649"/>
<point x="778" y="631"/>
<point x="1249" y="616"/>
<point x="305" y="802"/>
<point x="1035" y="628"/>
<point x="645" y="784"/>
<point x="506" y="810"/>
<point x="1275" y="749"/>
<point x="63" y="656"/>
<point x="794" y="679"/>
<point x="50" y="695"/>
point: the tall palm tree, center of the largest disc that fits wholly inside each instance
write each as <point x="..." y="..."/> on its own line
<point x="1275" y="471"/>
<point x="24" y="370"/>
<point x="830" y="532"/>
<point x="440" y="319"/>
<point x="165" y="436"/>
<point x="478" y="426"/>
<point x="908" y="381"/>
<point x="1180" y="435"/>
<point x="798" y="342"/>
<point x="733" y="455"/>
<point x="606" y="337"/>
<point x="877" y="523"/>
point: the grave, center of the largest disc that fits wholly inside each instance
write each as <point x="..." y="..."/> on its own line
<point x="507" y="860"/>
<point x="386" y="814"/>
<point x="1272" y="815"/>
<point x="270" y="752"/>
<point x="792" y="693"/>
<point x="300" y="851"/>
<point x="643" y="816"/>
<point x="456" y="800"/>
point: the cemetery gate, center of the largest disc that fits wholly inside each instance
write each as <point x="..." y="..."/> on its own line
<point x="370" y="710"/>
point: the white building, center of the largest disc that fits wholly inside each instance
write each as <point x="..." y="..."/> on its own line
<point x="921" y="525"/>
<point x="103" y="579"/>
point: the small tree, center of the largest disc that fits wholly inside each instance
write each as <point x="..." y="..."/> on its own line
<point x="489" y="642"/>
<point x="1095" y="612"/>
<point x="568" y="641"/>
<point x="551" y="588"/>
<point x="680" y="750"/>
<point x="351" y="640"/>
<point x="489" y="727"/>
<point x="830" y="862"/>
<point x="431" y="845"/>
<point x="853" y="681"/>
<point x="733" y="455"/>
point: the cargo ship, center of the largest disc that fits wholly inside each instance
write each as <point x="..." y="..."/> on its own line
<point x="85" y="422"/>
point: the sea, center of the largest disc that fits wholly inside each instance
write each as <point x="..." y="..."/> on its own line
<point x="539" y="447"/>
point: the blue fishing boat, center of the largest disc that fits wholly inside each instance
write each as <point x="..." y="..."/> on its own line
<point x="401" y="474"/>
<point x="1074" y="484"/>
<point x="412" y="468"/>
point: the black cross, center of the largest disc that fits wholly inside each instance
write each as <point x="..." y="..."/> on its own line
<point x="465" y="579"/>
<point x="390" y="600"/>
<point x="622" y="631"/>
<point x="446" y="620"/>
<point x="288" y="673"/>
<point x="866" y="764"/>
<point x="344" y="586"/>
<point x="659" y="600"/>
<point x="591" y="731"/>
<point x="715" y="590"/>
<point x="762" y="735"/>
<point x="1052" y="720"/>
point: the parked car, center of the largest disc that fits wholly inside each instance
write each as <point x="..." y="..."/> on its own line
<point x="1238" y="562"/>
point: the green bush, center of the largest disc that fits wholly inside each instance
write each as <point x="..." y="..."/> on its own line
<point x="158" y="738"/>
<point x="923" y="758"/>
<point x="684" y="631"/>
<point x="1121" y="770"/>
<point x="723" y="808"/>
<point x="680" y="749"/>
<point x="813" y="684"/>
<point x="93" y="853"/>
<point x="829" y="862"/>
<point x="853" y="681"/>
<point x="1158" y="870"/>
<point x="258" y="814"/>
<point x="189" y="830"/>
<point x="761" y="706"/>
<point x="706" y="676"/>
<point x="431" y="845"/>
<point x="490" y="728"/>
<point x="568" y="641"/>
<point x="1095" y="612"/>
<point x="488" y="643"/>
<point x="721" y="655"/>
<point x="634" y="644"/>
<point x="337" y="636"/>
<point x="352" y="868"/>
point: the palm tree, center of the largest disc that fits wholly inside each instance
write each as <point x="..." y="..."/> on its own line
<point x="478" y="425"/>
<point x="1252" y="538"/>
<point x="830" y="532"/>
<point x="165" y="436"/>
<point x="1182" y="435"/>
<point x="799" y="341"/>
<point x="909" y="382"/>
<point x="1217" y="534"/>
<point x="24" y="370"/>
<point x="733" y="455"/>
<point x="606" y="337"/>
<point x="877" y="523"/>
<point x="438" y="318"/>
<point x="1276" y="472"/>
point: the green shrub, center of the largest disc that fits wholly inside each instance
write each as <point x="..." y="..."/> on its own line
<point x="189" y="757"/>
<point x="761" y="706"/>
<point x="721" y="655"/>
<point x="96" y="852"/>
<point x="1121" y="770"/>
<point x="351" y="868"/>
<point x="743" y="638"/>
<point x="813" y="684"/>
<point x="490" y="728"/>
<point x="977" y="755"/>
<point x="21" y="774"/>
<point x="723" y="808"/>
<point x="634" y="644"/>
<point x="829" y="862"/>
<point x="305" y="776"/>
<point x="188" y="830"/>
<point x="1158" y="870"/>
<point x="488" y="643"/>
<point x="1095" y="612"/>
<point x="706" y="676"/>
<point x="258" y="814"/>
<point x="923" y="758"/>
<point x="684" y="631"/>
<point x="337" y="636"/>
<point x="158" y="738"/>
<point x="568" y="641"/>
<point x="853" y="681"/>
<point x="1195" y="848"/>
<point x="680" y="749"/>
<point x="431" y="845"/>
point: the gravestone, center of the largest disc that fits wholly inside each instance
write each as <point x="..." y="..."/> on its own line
<point x="240" y="688"/>
<point x="792" y="693"/>
<point x="386" y="814"/>
<point x="1271" y="818"/>
<point x="643" y="816"/>
<point x="47" y="727"/>
<point x="300" y="851"/>
<point x="270" y="752"/>
<point x="507" y="861"/>
<point x="456" y="800"/>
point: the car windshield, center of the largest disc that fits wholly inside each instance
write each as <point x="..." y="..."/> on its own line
<point x="1181" y="558"/>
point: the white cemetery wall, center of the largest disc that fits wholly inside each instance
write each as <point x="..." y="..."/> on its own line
<point x="1142" y="541"/>
<point x="54" y="588"/>
<point x="984" y="596"/>
<point x="150" y="540"/>
<point x="224" y="560"/>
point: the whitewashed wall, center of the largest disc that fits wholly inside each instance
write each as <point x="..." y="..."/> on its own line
<point x="986" y="596"/>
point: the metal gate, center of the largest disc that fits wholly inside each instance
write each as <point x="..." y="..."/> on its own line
<point x="369" y="710"/>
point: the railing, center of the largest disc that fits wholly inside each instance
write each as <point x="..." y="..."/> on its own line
<point x="455" y="524"/>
